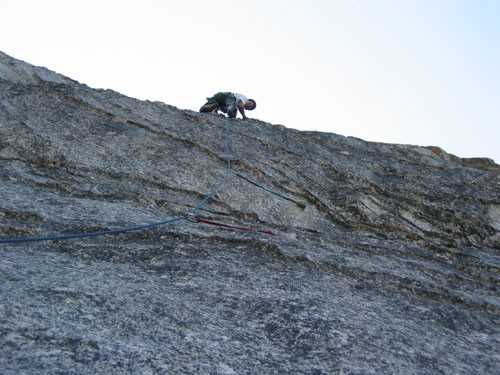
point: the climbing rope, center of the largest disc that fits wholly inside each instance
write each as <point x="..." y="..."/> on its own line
<point x="90" y="234"/>
<point x="224" y="179"/>
<point x="191" y="216"/>
<point x="300" y="204"/>
<point x="138" y="227"/>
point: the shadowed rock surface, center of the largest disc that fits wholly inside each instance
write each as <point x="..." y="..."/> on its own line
<point x="392" y="267"/>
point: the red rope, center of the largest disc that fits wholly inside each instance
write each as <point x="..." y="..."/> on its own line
<point x="197" y="219"/>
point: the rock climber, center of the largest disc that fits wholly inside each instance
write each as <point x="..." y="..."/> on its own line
<point x="230" y="103"/>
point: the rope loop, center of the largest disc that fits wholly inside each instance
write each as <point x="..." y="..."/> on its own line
<point x="190" y="216"/>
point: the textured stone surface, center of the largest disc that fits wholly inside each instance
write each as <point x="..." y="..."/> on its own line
<point x="392" y="267"/>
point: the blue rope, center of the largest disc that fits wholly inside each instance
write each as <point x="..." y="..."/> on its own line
<point x="138" y="227"/>
<point x="92" y="234"/>
<point x="224" y="179"/>
<point x="300" y="204"/>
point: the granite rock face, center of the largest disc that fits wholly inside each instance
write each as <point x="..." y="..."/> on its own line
<point x="389" y="263"/>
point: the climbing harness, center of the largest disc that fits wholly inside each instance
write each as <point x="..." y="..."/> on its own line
<point x="191" y="216"/>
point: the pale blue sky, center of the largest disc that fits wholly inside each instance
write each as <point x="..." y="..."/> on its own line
<point x="422" y="72"/>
